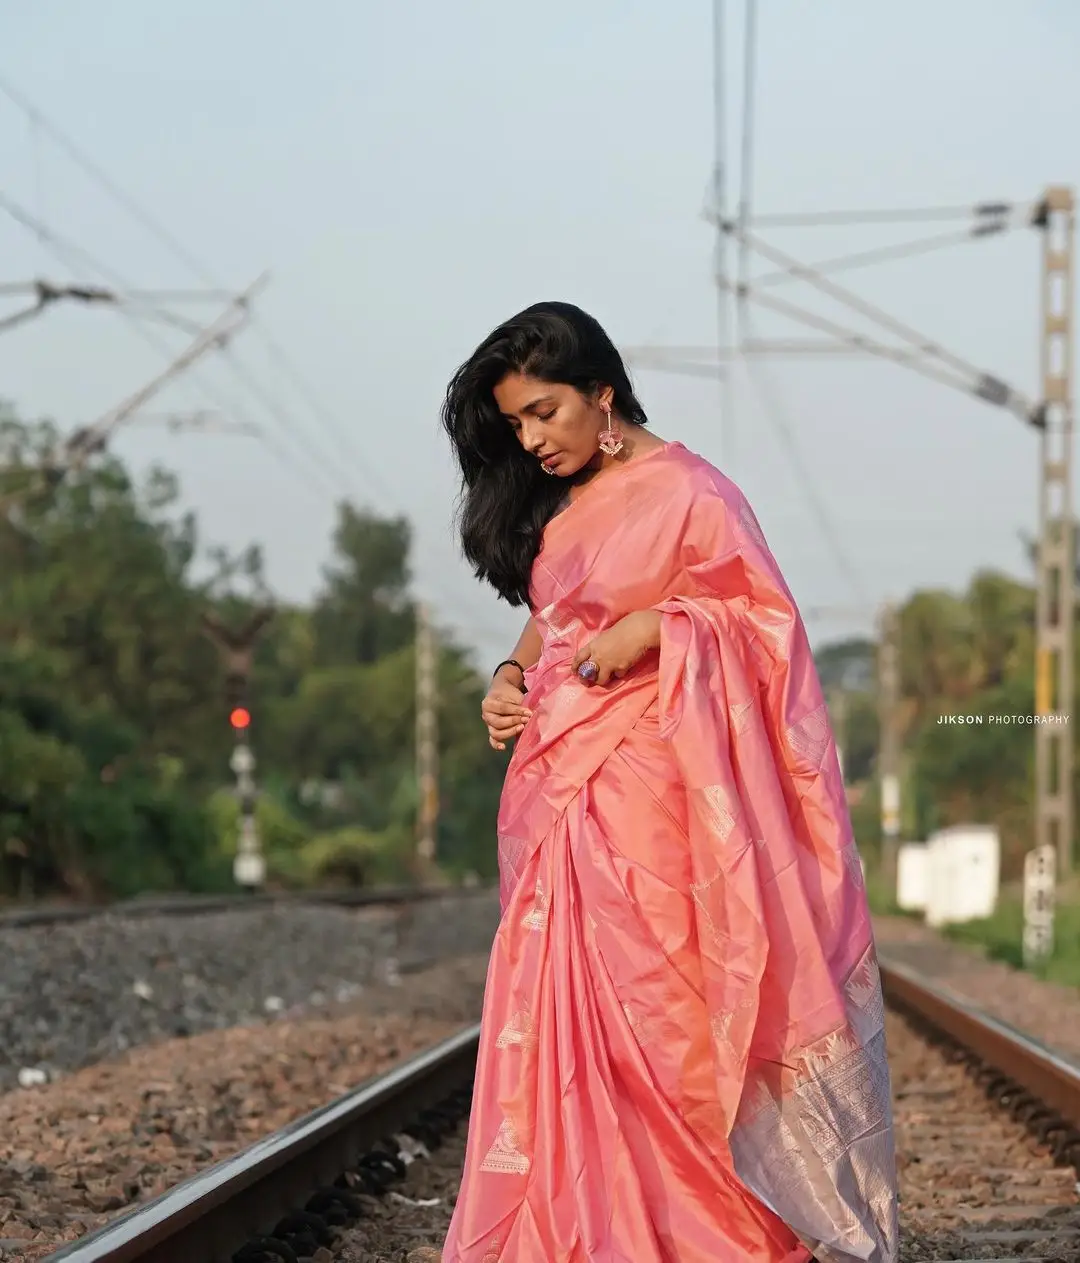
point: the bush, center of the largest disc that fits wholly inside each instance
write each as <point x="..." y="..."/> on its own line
<point x="282" y="836"/>
<point x="138" y="837"/>
<point x="1002" y="937"/>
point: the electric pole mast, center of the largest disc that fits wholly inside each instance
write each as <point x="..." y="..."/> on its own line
<point x="838" y="713"/>
<point x="237" y="652"/>
<point x="427" y="750"/>
<point x="1055" y="598"/>
<point x="889" y="743"/>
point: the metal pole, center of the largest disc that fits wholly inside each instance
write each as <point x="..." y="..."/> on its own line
<point x="237" y="647"/>
<point x="1055" y="594"/>
<point x="1040" y="881"/>
<point x="249" y="867"/>
<point x="427" y="752"/>
<point x="838" y="706"/>
<point x="889" y="744"/>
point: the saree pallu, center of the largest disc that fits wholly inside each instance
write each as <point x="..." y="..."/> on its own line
<point x="682" y="1056"/>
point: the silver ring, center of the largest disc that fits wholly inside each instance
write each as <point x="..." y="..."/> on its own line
<point x="588" y="670"/>
<point x="547" y="470"/>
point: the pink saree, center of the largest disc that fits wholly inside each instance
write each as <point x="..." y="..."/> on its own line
<point x="683" y="1055"/>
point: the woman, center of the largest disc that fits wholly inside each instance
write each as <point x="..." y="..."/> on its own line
<point x="683" y="1053"/>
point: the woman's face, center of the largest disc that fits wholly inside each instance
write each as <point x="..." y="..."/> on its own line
<point x="554" y="422"/>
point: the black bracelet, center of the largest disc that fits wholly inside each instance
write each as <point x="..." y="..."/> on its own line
<point x="511" y="662"/>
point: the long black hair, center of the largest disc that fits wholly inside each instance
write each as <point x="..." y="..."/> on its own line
<point x="506" y="498"/>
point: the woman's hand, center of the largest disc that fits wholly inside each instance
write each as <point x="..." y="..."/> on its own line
<point x="504" y="712"/>
<point x="621" y="646"/>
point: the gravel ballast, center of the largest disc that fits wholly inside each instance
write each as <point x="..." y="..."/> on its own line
<point x="974" y="1185"/>
<point x="76" y="1152"/>
<point x="79" y="993"/>
<point x="351" y="993"/>
<point x="1047" y="1011"/>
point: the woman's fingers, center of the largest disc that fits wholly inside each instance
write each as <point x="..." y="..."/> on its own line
<point x="496" y="706"/>
<point x="497" y="739"/>
<point x="493" y="715"/>
<point x="582" y="655"/>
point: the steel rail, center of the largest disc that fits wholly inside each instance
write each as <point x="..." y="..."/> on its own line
<point x="189" y="905"/>
<point x="245" y="1199"/>
<point x="1038" y="1085"/>
<point x="249" y="1204"/>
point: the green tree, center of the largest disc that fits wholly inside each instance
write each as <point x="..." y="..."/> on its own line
<point x="364" y="610"/>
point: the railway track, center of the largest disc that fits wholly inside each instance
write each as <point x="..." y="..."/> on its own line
<point x="988" y="1128"/>
<point x="988" y="1132"/>
<point x="193" y="905"/>
<point x="284" y="1198"/>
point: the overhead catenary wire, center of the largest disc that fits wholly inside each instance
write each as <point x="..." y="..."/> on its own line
<point x="769" y="401"/>
<point x="770" y="406"/>
<point x="746" y="158"/>
<point x="724" y="286"/>
<point x="314" y="473"/>
<point x="990" y="389"/>
<point x="324" y="479"/>
<point x="47" y="294"/>
<point x="720" y="244"/>
<point x="145" y="303"/>
<point x="900" y="215"/>
<point x="215" y="336"/>
<point x="779" y="421"/>
<point x="890" y="254"/>
<point x="89" y="440"/>
<point x="355" y="463"/>
<point x="153" y="225"/>
<point x="984" y="385"/>
<point x="871" y="311"/>
<point x="746" y="175"/>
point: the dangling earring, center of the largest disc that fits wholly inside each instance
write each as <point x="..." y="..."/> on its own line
<point x="611" y="440"/>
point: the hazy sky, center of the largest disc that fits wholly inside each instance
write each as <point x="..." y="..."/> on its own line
<point x="412" y="173"/>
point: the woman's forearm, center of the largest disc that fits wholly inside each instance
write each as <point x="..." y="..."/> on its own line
<point x="651" y="622"/>
<point x="526" y="651"/>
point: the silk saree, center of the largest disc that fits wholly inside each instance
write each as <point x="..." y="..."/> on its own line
<point x="683" y="1054"/>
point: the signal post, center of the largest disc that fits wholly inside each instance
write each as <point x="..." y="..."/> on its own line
<point x="237" y="650"/>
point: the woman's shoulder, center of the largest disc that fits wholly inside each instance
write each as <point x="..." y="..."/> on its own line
<point x="704" y="500"/>
<point x="690" y="477"/>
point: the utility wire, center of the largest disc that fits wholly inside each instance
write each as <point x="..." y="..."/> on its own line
<point x="983" y="386"/>
<point x="166" y="238"/>
<point x="720" y="246"/>
<point x="889" y="254"/>
<point x="746" y="155"/>
<point x="68" y="252"/>
<point x="746" y="168"/>
<point x="314" y="473"/>
<point x="769" y="401"/>
<point x="172" y="243"/>
<point x="682" y="362"/>
<point x="921" y="214"/>
<point x="134" y="296"/>
<point x="779" y="419"/>
<point x="989" y="387"/>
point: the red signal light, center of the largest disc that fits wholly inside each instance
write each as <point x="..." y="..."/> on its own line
<point x="240" y="717"/>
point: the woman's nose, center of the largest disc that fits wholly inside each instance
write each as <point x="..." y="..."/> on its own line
<point x="531" y="438"/>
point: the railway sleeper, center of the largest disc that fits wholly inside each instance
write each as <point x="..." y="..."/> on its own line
<point x="1056" y="1135"/>
<point x="302" y="1233"/>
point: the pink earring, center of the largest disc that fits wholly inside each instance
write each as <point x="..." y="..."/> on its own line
<point x="611" y="439"/>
